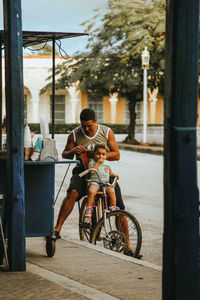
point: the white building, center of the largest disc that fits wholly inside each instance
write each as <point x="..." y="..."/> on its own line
<point x="67" y="101"/>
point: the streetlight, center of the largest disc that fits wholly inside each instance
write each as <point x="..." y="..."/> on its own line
<point x="145" y="66"/>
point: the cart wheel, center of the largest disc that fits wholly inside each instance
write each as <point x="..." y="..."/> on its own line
<point x="50" y="247"/>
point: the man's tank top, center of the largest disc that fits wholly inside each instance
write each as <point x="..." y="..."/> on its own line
<point x="100" y="137"/>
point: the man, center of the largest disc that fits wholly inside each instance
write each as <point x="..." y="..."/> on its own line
<point x="80" y="140"/>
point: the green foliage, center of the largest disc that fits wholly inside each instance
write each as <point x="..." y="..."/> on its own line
<point x="113" y="61"/>
<point x="63" y="128"/>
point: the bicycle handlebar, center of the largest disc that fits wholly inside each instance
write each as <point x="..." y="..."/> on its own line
<point x="92" y="169"/>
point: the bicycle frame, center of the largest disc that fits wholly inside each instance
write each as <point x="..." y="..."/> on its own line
<point x="104" y="185"/>
<point x="112" y="230"/>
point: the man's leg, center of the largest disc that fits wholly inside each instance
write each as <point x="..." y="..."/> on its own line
<point x="75" y="191"/>
<point x="119" y="201"/>
<point x="66" y="208"/>
<point x="122" y="224"/>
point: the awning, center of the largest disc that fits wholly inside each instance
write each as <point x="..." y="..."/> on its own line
<point x="37" y="37"/>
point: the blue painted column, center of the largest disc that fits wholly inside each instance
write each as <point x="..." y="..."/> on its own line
<point x="181" y="252"/>
<point x="15" y="135"/>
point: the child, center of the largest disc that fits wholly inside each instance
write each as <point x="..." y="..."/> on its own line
<point x="103" y="167"/>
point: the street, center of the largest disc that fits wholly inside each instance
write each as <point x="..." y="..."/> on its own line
<point x="141" y="182"/>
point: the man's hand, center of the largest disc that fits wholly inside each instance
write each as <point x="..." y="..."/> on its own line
<point x="71" y="149"/>
<point x="79" y="150"/>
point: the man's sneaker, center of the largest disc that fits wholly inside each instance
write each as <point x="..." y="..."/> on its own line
<point x="112" y="208"/>
<point x="88" y="212"/>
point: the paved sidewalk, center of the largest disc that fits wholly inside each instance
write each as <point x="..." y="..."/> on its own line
<point x="80" y="271"/>
<point x="156" y="150"/>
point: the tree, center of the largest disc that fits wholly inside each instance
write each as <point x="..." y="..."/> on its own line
<point x="113" y="61"/>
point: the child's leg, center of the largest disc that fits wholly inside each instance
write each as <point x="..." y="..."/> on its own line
<point x="93" y="189"/>
<point x="111" y="193"/>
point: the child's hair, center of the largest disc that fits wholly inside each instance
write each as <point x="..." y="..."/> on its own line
<point x="99" y="146"/>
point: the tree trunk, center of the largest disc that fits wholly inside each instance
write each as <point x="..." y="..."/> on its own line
<point x="130" y="139"/>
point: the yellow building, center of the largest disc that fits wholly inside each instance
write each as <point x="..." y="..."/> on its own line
<point x="69" y="102"/>
<point x="114" y="110"/>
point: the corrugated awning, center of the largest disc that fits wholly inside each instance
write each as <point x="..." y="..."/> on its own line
<point x="37" y="37"/>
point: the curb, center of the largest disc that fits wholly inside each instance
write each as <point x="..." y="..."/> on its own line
<point x="145" y="149"/>
<point x="118" y="255"/>
<point x="142" y="149"/>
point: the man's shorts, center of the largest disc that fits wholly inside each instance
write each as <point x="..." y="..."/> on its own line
<point x="80" y="185"/>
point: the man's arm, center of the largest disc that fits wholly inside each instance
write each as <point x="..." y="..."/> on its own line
<point x="71" y="149"/>
<point x="113" y="153"/>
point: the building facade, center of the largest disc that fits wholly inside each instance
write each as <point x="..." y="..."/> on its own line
<point x="70" y="101"/>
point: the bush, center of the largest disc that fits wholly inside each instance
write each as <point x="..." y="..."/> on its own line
<point x="64" y="128"/>
<point x="118" y="128"/>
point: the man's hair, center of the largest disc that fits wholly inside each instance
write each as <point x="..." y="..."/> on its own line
<point x="99" y="146"/>
<point x="88" y="114"/>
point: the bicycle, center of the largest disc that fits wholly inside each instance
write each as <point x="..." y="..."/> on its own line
<point x="118" y="231"/>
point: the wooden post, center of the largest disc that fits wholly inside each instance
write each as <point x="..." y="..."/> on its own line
<point x="53" y="88"/>
<point x="181" y="270"/>
<point x="15" y="135"/>
<point x="1" y="94"/>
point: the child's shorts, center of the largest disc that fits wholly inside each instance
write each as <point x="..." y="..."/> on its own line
<point x="96" y="184"/>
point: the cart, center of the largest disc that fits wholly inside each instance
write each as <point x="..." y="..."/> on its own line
<point x="39" y="178"/>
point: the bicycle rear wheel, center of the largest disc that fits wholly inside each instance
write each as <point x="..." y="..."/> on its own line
<point x="123" y="233"/>
<point x="86" y="225"/>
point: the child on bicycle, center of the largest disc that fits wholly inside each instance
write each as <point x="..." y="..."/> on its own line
<point x="104" y="171"/>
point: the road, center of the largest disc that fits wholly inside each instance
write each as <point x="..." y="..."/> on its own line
<point x="141" y="177"/>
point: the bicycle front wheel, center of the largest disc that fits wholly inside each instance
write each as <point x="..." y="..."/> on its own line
<point x="121" y="233"/>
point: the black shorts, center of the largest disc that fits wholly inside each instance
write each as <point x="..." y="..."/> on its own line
<point x="80" y="185"/>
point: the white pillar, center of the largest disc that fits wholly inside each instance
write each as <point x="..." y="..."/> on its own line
<point x="113" y="102"/>
<point x="153" y="99"/>
<point x="153" y="112"/>
<point x="74" y="102"/>
<point x="35" y="107"/>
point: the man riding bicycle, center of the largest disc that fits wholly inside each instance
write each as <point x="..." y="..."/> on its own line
<point x="83" y="139"/>
<point x="80" y="140"/>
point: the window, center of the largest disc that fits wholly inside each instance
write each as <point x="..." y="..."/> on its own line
<point x="138" y="111"/>
<point x="59" y="108"/>
<point x="25" y="109"/>
<point x="97" y="106"/>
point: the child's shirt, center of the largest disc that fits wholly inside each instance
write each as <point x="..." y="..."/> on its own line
<point x="103" y="171"/>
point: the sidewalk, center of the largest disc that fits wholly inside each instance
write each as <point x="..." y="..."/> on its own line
<point x="80" y="271"/>
<point x="156" y="150"/>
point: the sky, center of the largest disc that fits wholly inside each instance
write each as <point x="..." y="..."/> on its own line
<point x="60" y="16"/>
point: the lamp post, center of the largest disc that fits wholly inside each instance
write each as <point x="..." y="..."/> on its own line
<point x="145" y="66"/>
